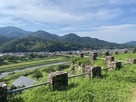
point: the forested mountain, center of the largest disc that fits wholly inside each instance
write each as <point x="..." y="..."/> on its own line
<point x="18" y="40"/>
<point x="13" y="32"/>
<point x="133" y="43"/>
<point x="45" y="35"/>
<point x="87" y="41"/>
<point x="4" y="39"/>
<point x="75" y="39"/>
<point x="30" y="44"/>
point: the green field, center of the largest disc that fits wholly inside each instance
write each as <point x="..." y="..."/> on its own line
<point x="30" y="63"/>
<point x="113" y="86"/>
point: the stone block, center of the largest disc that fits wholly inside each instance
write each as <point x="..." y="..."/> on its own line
<point x="134" y="61"/>
<point x="108" y="60"/>
<point x="92" y="57"/>
<point x="116" y="65"/>
<point x="106" y="54"/>
<point x="131" y="60"/>
<point x="58" y="80"/>
<point x="81" y="55"/>
<point x="3" y="92"/>
<point x="95" y="71"/>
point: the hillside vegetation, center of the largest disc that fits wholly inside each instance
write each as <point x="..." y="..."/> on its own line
<point x="113" y="86"/>
<point x="26" y="41"/>
<point x="32" y="44"/>
<point x="133" y="43"/>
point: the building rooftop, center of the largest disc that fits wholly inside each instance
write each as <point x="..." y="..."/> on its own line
<point x="23" y="81"/>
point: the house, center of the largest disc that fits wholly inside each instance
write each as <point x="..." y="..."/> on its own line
<point x="23" y="81"/>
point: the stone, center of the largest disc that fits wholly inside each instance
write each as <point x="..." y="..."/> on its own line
<point x="95" y="54"/>
<point x="58" y="80"/>
<point x="85" y="69"/>
<point x="72" y="69"/>
<point x="95" y="71"/>
<point x="106" y="54"/>
<point x="81" y="55"/>
<point x="3" y="92"/>
<point x="134" y="61"/>
<point x="116" y="65"/>
<point x="108" y="60"/>
<point x="131" y="60"/>
<point x="92" y="57"/>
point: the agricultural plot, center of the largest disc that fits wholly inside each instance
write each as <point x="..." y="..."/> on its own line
<point x="25" y="64"/>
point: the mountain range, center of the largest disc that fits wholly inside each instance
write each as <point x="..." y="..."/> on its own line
<point x="132" y="43"/>
<point x="13" y="39"/>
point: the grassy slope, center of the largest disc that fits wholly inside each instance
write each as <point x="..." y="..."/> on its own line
<point x="24" y="64"/>
<point x="114" y="86"/>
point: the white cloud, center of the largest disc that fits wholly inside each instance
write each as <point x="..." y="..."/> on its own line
<point x="39" y="10"/>
<point x="95" y="18"/>
<point x="36" y="11"/>
<point x="119" y="33"/>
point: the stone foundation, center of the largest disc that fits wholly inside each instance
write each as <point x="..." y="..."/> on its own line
<point x="58" y="80"/>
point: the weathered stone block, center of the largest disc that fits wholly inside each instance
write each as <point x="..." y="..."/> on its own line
<point x="108" y="60"/>
<point x="92" y="57"/>
<point x="95" y="72"/>
<point x="95" y="54"/>
<point x="128" y="60"/>
<point x="81" y="55"/>
<point x="85" y="69"/>
<point x="106" y="54"/>
<point x="131" y="60"/>
<point x="116" y="65"/>
<point x="3" y="92"/>
<point x="72" y="69"/>
<point x="58" y="79"/>
<point x="134" y="61"/>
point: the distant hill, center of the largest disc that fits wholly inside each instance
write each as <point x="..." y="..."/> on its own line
<point x="88" y="41"/>
<point x="32" y="44"/>
<point x="4" y="39"/>
<point x="14" y="39"/>
<point x="13" y="32"/>
<point x="45" y="35"/>
<point x="133" y="43"/>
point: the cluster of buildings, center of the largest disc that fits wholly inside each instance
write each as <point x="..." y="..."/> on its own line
<point x="67" y="52"/>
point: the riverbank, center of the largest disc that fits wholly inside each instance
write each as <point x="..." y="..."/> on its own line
<point x="31" y="63"/>
<point x="2" y="75"/>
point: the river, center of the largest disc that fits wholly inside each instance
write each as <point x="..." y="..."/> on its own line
<point x="2" y="75"/>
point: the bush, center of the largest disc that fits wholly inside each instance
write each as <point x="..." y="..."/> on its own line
<point x="62" y="67"/>
<point x="37" y="74"/>
<point x="134" y="51"/>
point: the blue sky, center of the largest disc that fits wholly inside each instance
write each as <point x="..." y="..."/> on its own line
<point x="110" y="20"/>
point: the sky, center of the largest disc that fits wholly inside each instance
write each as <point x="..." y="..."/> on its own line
<point x="109" y="20"/>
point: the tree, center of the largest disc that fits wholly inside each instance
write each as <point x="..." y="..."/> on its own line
<point x="37" y="74"/>
<point x="73" y="60"/>
<point x="1" y="59"/>
<point x="134" y="51"/>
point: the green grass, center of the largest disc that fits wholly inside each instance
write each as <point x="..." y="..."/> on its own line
<point x="44" y="70"/>
<point x="113" y="86"/>
<point x="123" y="56"/>
<point x="22" y="65"/>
